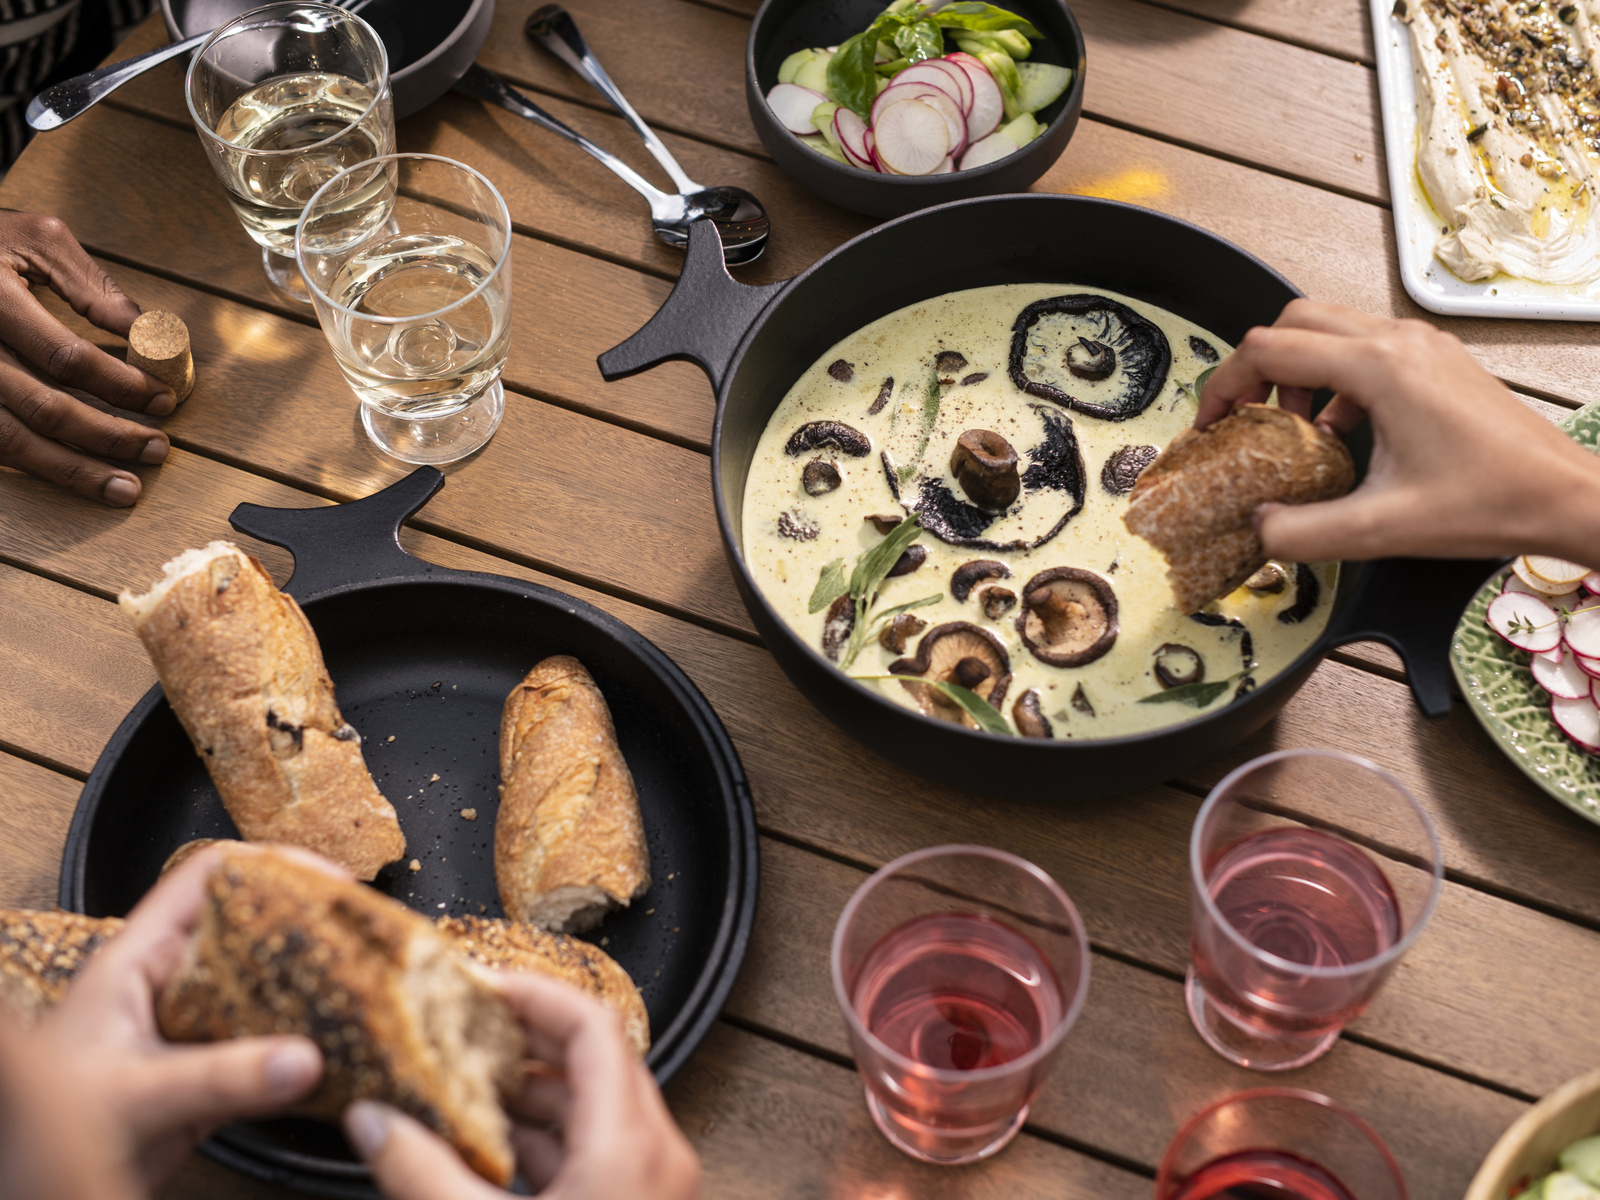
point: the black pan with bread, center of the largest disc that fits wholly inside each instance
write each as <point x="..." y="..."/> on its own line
<point x="426" y="656"/>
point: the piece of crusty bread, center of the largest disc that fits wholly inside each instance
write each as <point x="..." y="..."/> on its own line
<point x="517" y="946"/>
<point x="282" y="947"/>
<point x="243" y="671"/>
<point x="568" y="842"/>
<point x="1196" y="501"/>
<point x="41" y="953"/>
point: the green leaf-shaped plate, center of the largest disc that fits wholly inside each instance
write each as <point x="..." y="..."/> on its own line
<point x="1498" y="684"/>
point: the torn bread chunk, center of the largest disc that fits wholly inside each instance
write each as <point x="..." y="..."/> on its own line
<point x="243" y="671"/>
<point x="41" y="954"/>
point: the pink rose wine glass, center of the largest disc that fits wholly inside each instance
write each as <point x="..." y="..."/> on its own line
<point x="1278" y="1144"/>
<point x="1311" y="873"/>
<point x="959" y="970"/>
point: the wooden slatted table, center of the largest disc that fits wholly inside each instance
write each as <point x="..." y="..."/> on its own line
<point x="1254" y="118"/>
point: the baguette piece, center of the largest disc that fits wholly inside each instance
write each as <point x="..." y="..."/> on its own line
<point x="568" y="842"/>
<point x="1196" y="502"/>
<point x="243" y="671"/>
<point x="41" y="954"/>
<point x="283" y="947"/>
<point x="515" y="946"/>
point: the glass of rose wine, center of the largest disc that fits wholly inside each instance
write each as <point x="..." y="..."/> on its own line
<point x="1278" y="1144"/>
<point x="1311" y="873"/>
<point x="959" y="970"/>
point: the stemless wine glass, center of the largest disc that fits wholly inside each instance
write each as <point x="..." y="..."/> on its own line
<point x="959" y="970"/>
<point x="1280" y="1142"/>
<point x="1311" y="873"/>
<point x="285" y="97"/>
<point x="408" y="262"/>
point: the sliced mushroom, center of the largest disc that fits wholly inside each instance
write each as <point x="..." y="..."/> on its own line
<point x="883" y="522"/>
<point x="793" y="525"/>
<point x="908" y="562"/>
<point x="1271" y="579"/>
<point x="899" y="631"/>
<point x="950" y="361"/>
<point x="997" y="602"/>
<point x="969" y="575"/>
<point x="1123" y="468"/>
<point x="1052" y="337"/>
<point x="975" y="377"/>
<point x="838" y="625"/>
<point x="1029" y="720"/>
<point x="841" y="370"/>
<point x="1080" y="701"/>
<point x="831" y="435"/>
<point x="985" y="466"/>
<point x="1069" y="616"/>
<point x="820" y="477"/>
<point x="1307" y="594"/>
<point x="956" y="652"/>
<point x="1203" y="350"/>
<point x="1177" y="665"/>
<point x="884" y="393"/>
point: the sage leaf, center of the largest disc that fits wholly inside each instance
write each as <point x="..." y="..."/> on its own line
<point x="1193" y="390"/>
<point x="890" y="614"/>
<point x="975" y="706"/>
<point x="930" y="413"/>
<point x="831" y="584"/>
<point x="873" y="567"/>
<point x="1196" y="695"/>
<point x="982" y="18"/>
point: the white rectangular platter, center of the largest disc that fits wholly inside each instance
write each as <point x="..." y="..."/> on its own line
<point x="1417" y="226"/>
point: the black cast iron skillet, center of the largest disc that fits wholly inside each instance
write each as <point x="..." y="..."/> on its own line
<point x="423" y="658"/>
<point x="431" y="43"/>
<point x="754" y="342"/>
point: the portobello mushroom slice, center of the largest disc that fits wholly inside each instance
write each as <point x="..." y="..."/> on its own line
<point x="1307" y="594"/>
<point x="830" y="435"/>
<point x="970" y="574"/>
<point x="1123" y="468"/>
<point x="1025" y="714"/>
<point x="1089" y="353"/>
<point x="1069" y="617"/>
<point x="956" y="652"/>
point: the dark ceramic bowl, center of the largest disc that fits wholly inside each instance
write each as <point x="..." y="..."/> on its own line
<point x="784" y="26"/>
<point x="431" y="43"/>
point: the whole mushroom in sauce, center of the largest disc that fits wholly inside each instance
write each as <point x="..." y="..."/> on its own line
<point x="1069" y="617"/>
<point x="970" y="574"/>
<point x="985" y="466"/>
<point x="1089" y="353"/>
<point x="1178" y="665"/>
<point x="820" y="477"/>
<point x="997" y="602"/>
<point x="956" y="652"/>
<point x="1028" y="718"/>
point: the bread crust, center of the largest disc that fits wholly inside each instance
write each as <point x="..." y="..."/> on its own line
<point x="516" y="946"/>
<point x="41" y="954"/>
<point x="282" y="947"/>
<point x="244" y="673"/>
<point x="1196" y="502"/>
<point x="568" y="842"/>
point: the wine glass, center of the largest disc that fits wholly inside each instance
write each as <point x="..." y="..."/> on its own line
<point x="407" y="259"/>
<point x="284" y="98"/>
<point x="1281" y="1142"/>
<point x="959" y="970"/>
<point x="1311" y="873"/>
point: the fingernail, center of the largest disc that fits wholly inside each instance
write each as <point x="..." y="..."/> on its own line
<point x="367" y="1126"/>
<point x="121" y="491"/>
<point x="292" y="1068"/>
<point x="161" y="405"/>
<point x="155" y="450"/>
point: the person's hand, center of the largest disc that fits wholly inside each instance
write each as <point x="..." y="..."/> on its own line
<point x="594" y="1129"/>
<point x="44" y="430"/>
<point x="1460" y="467"/>
<point x="160" y="1099"/>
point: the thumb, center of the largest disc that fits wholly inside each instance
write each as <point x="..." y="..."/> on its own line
<point x="1354" y="527"/>
<point x="211" y="1085"/>
<point x="409" y="1161"/>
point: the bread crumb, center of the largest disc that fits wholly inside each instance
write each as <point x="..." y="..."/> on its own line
<point x="469" y="814"/>
<point x="415" y="865"/>
<point x="435" y="778"/>
<point x="671" y="877"/>
<point x="441" y="904"/>
<point x="649" y="912"/>
<point x="605" y="941"/>
<point x="482" y="907"/>
<point x="390" y="738"/>
<point x="676" y="929"/>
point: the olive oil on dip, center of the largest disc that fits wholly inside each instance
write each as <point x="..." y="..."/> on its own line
<point x="813" y="486"/>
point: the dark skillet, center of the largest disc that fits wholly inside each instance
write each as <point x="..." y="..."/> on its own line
<point x="430" y="42"/>
<point x="423" y="658"/>
<point x="754" y="342"/>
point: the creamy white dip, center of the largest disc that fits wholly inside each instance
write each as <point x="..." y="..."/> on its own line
<point x="791" y="537"/>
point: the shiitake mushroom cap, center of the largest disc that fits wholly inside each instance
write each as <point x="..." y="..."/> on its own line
<point x="970" y="574"/>
<point x="951" y="649"/>
<point x="985" y="465"/>
<point x="1029" y="720"/>
<point x="1177" y="665"/>
<point x="821" y="476"/>
<point x="1069" y="616"/>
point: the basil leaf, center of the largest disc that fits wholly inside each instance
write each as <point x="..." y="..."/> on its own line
<point x="919" y="40"/>
<point x="984" y="18"/>
<point x="1195" y="695"/>
<point x="980" y="710"/>
<point x="831" y="585"/>
<point x="852" y="72"/>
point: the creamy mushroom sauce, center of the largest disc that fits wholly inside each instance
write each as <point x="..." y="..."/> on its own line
<point x="978" y="324"/>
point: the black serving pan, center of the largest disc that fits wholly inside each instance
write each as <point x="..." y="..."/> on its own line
<point x="430" y="43"/>
<point x="754" y="342"/>
<point x="423" y="658"/>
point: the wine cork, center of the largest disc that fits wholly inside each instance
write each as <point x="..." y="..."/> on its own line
<point x="159" y="343"/>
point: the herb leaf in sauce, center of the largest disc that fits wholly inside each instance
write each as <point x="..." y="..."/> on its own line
<point x="930" y="413"/>
<point x="872" y="568"/>
<point x="1196" y="695"/>
<point x="1195" y="389"/>
<point x="980" y="710"/>
<point x="831" y="584"/>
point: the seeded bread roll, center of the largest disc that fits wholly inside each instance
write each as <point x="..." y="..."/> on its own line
<point x="1196" y="502"/>
<point x="513" y="946"/>
<point x="282" y="947"/>
<point x="41" y="954"/>
<point x="243" y="671"/>
<point x="568" y="842"/>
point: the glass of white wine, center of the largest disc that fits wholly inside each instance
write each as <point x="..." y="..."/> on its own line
<point x="285" y="97"/>
<point x="408" y="262"/>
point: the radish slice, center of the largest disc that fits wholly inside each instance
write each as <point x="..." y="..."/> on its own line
<point x="963" y="81"/>
<point x="1589" y="666"/>
<point x="1528" y="624"/>
<point x="1591" y="582"/>
<point x="1555" y="570"/>
<point x="852" y="133"/>
<point x="1582" y="631"/>
<point x="1567" y="600"/>
<point x="793" y="106"/>
<point x="990" y="149"/>
<point x="1579" y="720"/>
<point x="1566" y="680"/>
<point x="934" y="98"/>
<point x="1538" y="583"/>
<point x="951" y="80"/>
<point x="987" y="104"/>
<point x="944" y="168"/>
<point x="1555" y="657"/>
<point x="913" y="138"/>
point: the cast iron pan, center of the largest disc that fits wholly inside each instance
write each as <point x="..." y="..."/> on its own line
<point x="423" y="658"/>
<point x="430" y="42"/>
<point x="754" y="342"/>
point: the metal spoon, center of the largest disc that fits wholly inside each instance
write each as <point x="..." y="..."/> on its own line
<point x="554" y="29"/>
<point x="739" y="218"/>
<point x="70" y="98"/>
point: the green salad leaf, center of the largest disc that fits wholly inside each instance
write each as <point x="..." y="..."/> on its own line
<point x="852" y="73"/>
<point x="982" y="18"/>
<point x="980" y="710"/>
<point x="831" y="584"/>
<point x="918" y="41"/>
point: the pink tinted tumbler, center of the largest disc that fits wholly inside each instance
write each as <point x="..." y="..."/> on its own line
<point x="959" y="970"/>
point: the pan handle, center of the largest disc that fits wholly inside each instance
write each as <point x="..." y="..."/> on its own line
<point x="343" y="543"/>
<point x="1413" y="606"/>
<point x="703" y="320"/>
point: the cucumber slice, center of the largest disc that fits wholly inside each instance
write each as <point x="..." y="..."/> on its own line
<point x="1563" y="1185"/>
<point x="1041" y="84"/>
<point x="1009" y="42"/>
<point x="1005" y="76"/>
<point x="828" y="150"/>
<point x="793" y="63"/>
<point x="822" y="118"/>
<point x="1582" y="1159"/>
<point x="1022" y="131"/>
<point x="813" y="73"/>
